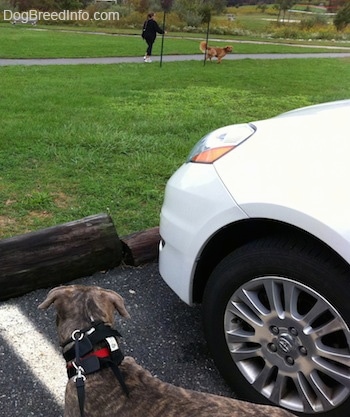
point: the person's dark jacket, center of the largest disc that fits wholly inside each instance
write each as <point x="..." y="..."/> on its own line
<point x="150" y="29"/>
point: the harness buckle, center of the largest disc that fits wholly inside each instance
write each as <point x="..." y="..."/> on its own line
<point x="79" y="381"/>
<point x="80" y="372"/>
<point x="77" y="335"/>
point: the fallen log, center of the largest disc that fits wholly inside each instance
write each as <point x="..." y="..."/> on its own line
<point x="141" y="247"/>
<point x="58" y="254"/>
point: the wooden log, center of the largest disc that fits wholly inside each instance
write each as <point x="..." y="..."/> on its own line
<point x="141" y="247"/>
<point x="58" y="254"/>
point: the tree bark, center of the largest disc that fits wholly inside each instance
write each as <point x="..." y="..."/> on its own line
<point x="58" y="254"/>
<point x="141" y="247"/>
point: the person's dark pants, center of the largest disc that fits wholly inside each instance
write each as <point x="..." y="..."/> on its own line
<point x="150" y="42"/>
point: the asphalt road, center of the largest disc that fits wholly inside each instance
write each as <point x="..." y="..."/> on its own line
<point x="163" y="334"/>
<point x="166" y="58"/>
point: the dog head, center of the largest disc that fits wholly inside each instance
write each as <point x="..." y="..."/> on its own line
<point x="77" y="306"/>
<point x="229" y="48"/>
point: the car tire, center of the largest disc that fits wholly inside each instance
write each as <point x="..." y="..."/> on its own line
<point x="276" y="314"/>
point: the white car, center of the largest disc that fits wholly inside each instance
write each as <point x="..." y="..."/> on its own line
<point x="256" y="227"/>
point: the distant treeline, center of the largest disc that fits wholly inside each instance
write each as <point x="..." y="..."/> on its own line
<point x="331" y="5"/>
<point x="231" y="3"/>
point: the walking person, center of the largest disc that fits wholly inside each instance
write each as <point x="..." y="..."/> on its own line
<point x="149" y="34"/>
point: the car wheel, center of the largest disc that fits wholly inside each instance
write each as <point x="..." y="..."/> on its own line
<point x="276" y="316"/>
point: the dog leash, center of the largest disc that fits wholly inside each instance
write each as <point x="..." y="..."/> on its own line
<point x="86" y="361"/>
<point x="80" y="378"/>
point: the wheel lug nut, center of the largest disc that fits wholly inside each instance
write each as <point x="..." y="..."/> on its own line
<point x="303" y="350"/>
<point x="290" y="360"/>
<point x="272" y="347"/>
<point x="274" y="329"/>
<point x="293" y="331"/>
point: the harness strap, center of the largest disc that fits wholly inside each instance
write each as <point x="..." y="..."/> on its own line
<point x="79" y="379"/>
<point x="80" y="384"/>
<point x="95" y="361"/>
<point x="87" y="362"/>
<point x="97" y="333"/>
<point x="119" y="377"/>
<point x="102" y="362"/>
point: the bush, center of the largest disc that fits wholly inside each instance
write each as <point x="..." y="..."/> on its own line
<point x="192" y="18"/>
<point x="314" y="22"/>
<point x="4" y="5"/>
<point x="279" y="30"/>
<point x="342" y="18"/>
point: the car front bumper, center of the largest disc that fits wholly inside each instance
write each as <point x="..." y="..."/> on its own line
<point x="196" y="206"/>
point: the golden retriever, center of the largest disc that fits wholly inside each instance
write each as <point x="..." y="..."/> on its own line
<point x="214" y="52"/>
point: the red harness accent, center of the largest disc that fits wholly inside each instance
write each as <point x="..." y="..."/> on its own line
<point x="102" y="353"/>
<point x="82" y="360"/>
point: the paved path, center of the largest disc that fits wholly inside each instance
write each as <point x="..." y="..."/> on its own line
<point x="166" y="58"/>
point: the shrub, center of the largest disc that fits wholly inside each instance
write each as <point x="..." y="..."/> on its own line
<point x="342" y="18"/>
<point x="4" y="5"/>
<point x="313" y="22"/>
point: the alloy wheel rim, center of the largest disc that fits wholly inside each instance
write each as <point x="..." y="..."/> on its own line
<point x="289" y="343"/>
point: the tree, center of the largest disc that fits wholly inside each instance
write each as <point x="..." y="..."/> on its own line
<point x="335" y="5"/>
<point x="218" y="6"/>
<point x="166" y="5"/>
<point x="342" y="18"/>
<point x="284" y="5"/>
<point x="46" y="5"/>
<point x="191" y="10"/>
<point x="69" y="4"/>
<point x="25" y="5"/>
<point x="142" y="6"/>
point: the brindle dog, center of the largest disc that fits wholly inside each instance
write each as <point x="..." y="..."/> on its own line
<point x="77" y="306"/>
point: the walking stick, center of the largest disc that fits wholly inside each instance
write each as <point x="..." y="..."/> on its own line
<point x="206" y="12"/>
<point x="166" y="6"/>
<point x="162" y="47"/>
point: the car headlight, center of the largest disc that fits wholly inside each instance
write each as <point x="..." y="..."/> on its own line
<point x="217" y="143"/>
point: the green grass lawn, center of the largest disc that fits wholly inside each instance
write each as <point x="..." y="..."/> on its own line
<point x="79" y="140"/>
<point x="24" y="42"/>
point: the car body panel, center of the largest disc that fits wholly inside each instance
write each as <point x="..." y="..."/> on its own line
<point x="194" y="190"/>
<point x="294" y="169"/>
<point x="280" y="174"/>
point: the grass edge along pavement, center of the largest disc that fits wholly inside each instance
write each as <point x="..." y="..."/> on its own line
<point x="32" y="43"/>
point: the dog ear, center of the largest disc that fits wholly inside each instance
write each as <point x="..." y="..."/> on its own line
<point x="109" y="296"/>
<point x="52" y="296"/>
<point x="117" y="301"/>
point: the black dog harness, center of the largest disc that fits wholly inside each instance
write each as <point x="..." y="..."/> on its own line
<point x="83" y="360"/>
